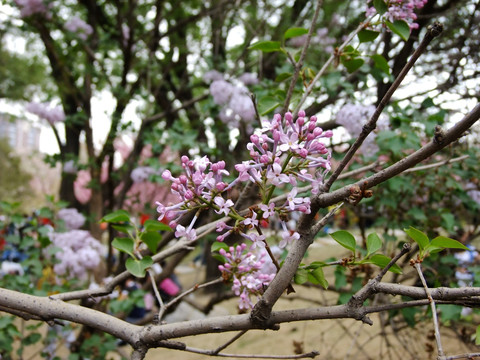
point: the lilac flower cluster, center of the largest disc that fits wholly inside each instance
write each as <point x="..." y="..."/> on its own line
<point x="78" y="26"/>
<point x="32" y="7"/>
<point x="353" y="117"/>
<point x="244" y="269"/>
<point x="142" y="173"/>
<point x="233" y="95"/>
<point x="319" y="38"/>
<point x="79" y="252"/>
<point x="44" y="111"/>
<point x="283" y="153"/>
<point x="72" y="218"/>
<point x="400" y="10"/>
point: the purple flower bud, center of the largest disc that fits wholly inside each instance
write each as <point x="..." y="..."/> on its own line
<point x="303" y="153"/>
<point x="301" y="113"/>
<point x="184" y="159"/>
<point x="167" y="175"/>
<point x="288" y="116"/>
<point x="188" y="195"/>
<point x="317" y="131"/>
<point x="328" y="134"/>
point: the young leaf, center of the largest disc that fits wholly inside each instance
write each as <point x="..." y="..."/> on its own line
<point x="353" y="65"/>
<point x="380" y="6"/>
<point x="381" y="63"/>
<point x="382" y="261"/>
<point x="116" y="216"/>
<point x="301" y="276"/>
<point x="367" y="35"/>
<point x="153" y="225"/>
<point x="477" y="336"/>
<point x="138" y="267"/>
<point x="447" y="243"/>
<point x="374" y="243"/>
<point x="267" y="104"/>
<point x="319" y="276"/>
<point x="266" y="46"/>
<point x="124" y="228"/>
<point x="345" y="239"/>
<point x="151" y="239"/>
<point x="294" y="32"/>
<point x="419" y="237"/>
<point x="400" y="28"/>
<point x="217" y="245"/>
<point x="283" y="76"/>
<point x="123" y="244"/>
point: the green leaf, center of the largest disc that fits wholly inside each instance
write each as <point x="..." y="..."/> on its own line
<point x="283" y="76"/>
<point x="31" y="339"/>
<point x="220" y="258"/>
<point x="217" y="245"/>
<point x="374" y="243"/>
<point x="353" y="65"/>
<point x="319" y="277"/>
<point x="154" y="225"/>
<point x="266" y="46"/>
<point x="380" y="6"/>
<point x="381" y="63"/>
<point x="400" y="28"/>
<point x="151" y="239"/>
<point x="116" y="216"/>
<point x="477" y="336"/>
<point x="448" y="220"/>
<point x="419" y="237"/>
<point x="367" y="35"/>
<point x="294" y="32"/>
<point x="267" y="104"/>
<point x="301" y="276"/>
<point x="124" y="244"/>
<point x="382" y="261"/>
<point x="138" y="267"/>
<point x="447" y="243"/>
<point x="124" y="228"/>
<point x="345" y="239"/>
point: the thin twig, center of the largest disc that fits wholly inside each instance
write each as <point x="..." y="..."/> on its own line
<point x="192" y="289"/>
<point x="441" y="354"/>
<point x="162" y="309"/>
<point x="299" y="63"/>
<point x="311" y="355"/>
<point x="327" y="64"/>
<point x="229" y="342"/>
<point x="463" y="356"/>
<point x="432" y="32"/>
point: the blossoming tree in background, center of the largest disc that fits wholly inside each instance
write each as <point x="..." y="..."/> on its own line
<point x="241" y="145"/>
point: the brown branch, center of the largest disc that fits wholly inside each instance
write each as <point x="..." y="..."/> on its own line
<point x="432" y="32"/>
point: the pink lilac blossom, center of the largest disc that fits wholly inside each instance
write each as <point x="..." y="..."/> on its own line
<point x="353" y="117"/>
<point x="400" y="10"/>
<point x="284" y="152"/>
<point x="142" y="173"/>
<point x="78" y="26"/>
<point x="319" y="38"/>
<point x="233" y="96"/>
<point x="32" y="7"/>
<point x="247" y="270"/>
<point x="44" y="111"/>
<point x="69" y="167"/>
<point x="78" y="253"/>
<point x="72" y="218"/>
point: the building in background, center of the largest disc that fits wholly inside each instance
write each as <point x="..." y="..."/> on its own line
<point x="22" y="135"/>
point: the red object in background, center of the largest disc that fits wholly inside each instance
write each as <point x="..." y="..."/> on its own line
<point x="2" y="243"/>
<point x="45" y="221"/>
<point x="169" y="287"/>
<point x="143" y="218"/>
<point x="264" y="223"/>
